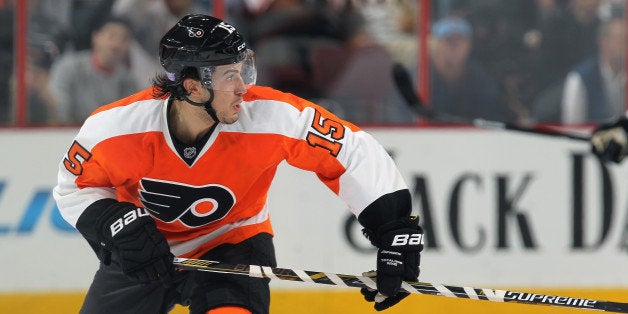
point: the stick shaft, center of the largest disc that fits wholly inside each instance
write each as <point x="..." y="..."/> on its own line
<point x="342" y="280"/>
<point x="414" y="102"/>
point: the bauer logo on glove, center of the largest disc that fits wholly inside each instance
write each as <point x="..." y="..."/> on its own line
<point x="407" y="239"/>
<point x="125" y="220"/>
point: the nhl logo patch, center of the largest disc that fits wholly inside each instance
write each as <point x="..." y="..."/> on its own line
<point x="189" y="152"/>
<point x="195" y="32"/>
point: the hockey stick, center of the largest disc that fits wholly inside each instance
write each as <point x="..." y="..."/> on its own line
<point x="323" y="278"/>
<point x="414" y="102"/>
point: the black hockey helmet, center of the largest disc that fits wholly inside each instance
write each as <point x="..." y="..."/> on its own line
<point x="204" y="42"/>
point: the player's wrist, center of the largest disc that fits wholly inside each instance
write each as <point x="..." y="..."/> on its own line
<point x="90" y="221"/>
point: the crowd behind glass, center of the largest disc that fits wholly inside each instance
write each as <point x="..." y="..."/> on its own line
<point x="519" y="61"/>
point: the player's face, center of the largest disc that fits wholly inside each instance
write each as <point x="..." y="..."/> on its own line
<point x="228" y="87"/>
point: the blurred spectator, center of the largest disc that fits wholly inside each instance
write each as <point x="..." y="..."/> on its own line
<point x="360" y="87"/>
<point x="69" y="22"/>
<point x="499" y="27"/>
<point x="611" y="8"/>
<point x="84" y="18"/>
<point x="595" y="89"/>
<point x="354" y="77"/>
<point x="566" y="39"/>
<point x="82" y="81"/>
<point x="392" y="24"/>
<point x="403" y="43"/>
<point x="284" y="32"/>
<point x="382" y="18"/>
<point x="301" y="18"/>
<point x="41" y="102"/>
<point x="150" y="19"/>
<point x="507" y="38"/>
<point x="67" y="25"/>
<point x="461" y="87"/>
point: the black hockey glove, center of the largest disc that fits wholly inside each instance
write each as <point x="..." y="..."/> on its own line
<point x="610" y="142"/>
<point x="400" y="243"/>
<point x="131" y="233"/>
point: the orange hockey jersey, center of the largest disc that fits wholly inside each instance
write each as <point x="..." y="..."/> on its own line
<point x="125" y="151"/>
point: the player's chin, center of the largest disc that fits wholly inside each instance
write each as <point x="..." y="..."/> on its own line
<point x="230" y="119"/>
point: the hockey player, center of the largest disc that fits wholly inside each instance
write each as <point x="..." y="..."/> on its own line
<point x="183" y="169"/>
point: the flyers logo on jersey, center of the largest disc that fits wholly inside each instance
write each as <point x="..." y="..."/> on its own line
<point x="194" y="206"/>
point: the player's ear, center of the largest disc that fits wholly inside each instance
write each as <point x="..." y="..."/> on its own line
<point x="192" y="87"/>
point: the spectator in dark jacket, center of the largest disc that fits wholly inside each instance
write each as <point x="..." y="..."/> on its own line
<point x="460" y="86"/>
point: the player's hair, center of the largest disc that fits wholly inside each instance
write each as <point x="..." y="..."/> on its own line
<point x="163" y="86"/>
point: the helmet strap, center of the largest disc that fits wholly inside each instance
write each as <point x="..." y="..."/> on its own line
<point x="207" y="105"/>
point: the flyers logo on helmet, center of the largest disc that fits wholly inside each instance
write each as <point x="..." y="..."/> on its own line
<point x="195" y="32"/>
<point x="193" y="206"/>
